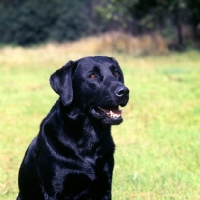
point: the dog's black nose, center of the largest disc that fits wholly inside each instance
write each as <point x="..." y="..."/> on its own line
<point x="121" y="91"/>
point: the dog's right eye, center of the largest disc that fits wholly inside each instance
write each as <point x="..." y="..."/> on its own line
<point x="92" y="76"/>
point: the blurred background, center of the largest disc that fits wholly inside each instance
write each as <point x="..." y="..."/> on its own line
<point x="161" y="24"/>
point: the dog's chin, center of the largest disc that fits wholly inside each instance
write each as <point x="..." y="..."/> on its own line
<point x="112" y="121"/>
<point x="110" y="116"/>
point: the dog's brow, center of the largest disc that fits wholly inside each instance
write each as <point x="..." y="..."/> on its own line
<point x="96" y="68"/>
<point x="112" y="67"/>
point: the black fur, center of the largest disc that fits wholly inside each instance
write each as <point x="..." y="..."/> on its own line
<point x="72" y="156"/>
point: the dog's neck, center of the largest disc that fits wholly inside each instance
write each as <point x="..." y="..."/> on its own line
<point x="73" y="113"/>
<point x="90" y="132"/>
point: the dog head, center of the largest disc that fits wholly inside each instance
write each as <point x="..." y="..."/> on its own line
<point x="94" y="84"/>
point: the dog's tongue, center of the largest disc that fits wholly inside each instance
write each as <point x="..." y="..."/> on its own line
<point x="114" y="110"/>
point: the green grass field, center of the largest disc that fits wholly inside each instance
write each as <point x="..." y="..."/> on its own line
<point x="158" y="145"/>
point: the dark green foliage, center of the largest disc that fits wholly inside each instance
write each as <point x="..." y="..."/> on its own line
<point x="144" y="16"/>
<point x="34" y="21"/>
<point x="26" y="22"/>
<point x="70" y="22"/>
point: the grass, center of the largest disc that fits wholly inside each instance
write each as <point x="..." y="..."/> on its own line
<point x="157" y="154"/>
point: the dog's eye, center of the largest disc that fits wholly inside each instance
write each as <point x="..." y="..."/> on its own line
<point x="92" y="76"/>
<point x="117" y="74"/>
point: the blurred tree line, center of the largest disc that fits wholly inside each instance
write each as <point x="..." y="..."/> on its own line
<point x="26" y="22"/>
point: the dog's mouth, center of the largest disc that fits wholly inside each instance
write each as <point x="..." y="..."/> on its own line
<point x="112" y="115"/>
<point x="112" y="112"/>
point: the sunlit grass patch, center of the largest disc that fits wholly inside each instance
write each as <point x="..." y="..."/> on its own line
<point x="157" y="146"/>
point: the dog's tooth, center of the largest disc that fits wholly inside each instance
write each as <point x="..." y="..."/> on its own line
<point x="111" y="113"/>
<point x="116" y="116"/>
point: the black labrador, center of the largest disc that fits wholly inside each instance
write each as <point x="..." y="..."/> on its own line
<point x="72" y="156"/>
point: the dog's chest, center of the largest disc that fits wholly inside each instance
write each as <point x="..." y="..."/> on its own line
<point x="97" y="166"/>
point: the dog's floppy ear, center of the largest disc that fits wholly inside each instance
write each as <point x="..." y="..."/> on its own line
<point x="61" y="82"/>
